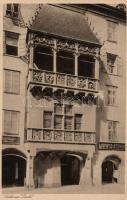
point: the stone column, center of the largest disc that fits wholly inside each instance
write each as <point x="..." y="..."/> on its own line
<point x="31" y="64"/>
<point x="54" y="57"/>
<point x="76" y="54"/>
<point x="31" y="55"/>
<point x="85" y="177"/>
<point x="97" y="65"/>
<point x="52" y="177"/>
<point x="29" y="171"/>
<point x="97" y="174"/>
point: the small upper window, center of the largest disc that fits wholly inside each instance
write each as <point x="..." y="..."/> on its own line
<point x="11" y="41"/>
<point x="12" y="10"/>
<point x="112" y="27"/>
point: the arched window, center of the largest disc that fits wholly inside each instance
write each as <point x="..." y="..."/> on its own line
<point x="43" y="58"/>
<point x="86" y="66"/>
<point x="65" y="62"/>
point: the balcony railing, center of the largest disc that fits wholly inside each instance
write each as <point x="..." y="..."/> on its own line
<point x="60" y="136"/>
<point x="63" y="80"/>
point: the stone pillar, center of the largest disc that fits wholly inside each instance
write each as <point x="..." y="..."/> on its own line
<point x="52" y="177"/>
<point x="76" y="54"/>
<point x="76" y="64"/>
<point x="29" y="171"/>
<point x="56" y="172"/>
<point x="31" y="55"/>
<point x="85" y="177"/>
<point x="97" y="64"/>
<point x="97" y="174"/>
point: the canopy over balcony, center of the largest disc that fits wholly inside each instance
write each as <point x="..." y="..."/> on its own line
<point x="60" y="21"/>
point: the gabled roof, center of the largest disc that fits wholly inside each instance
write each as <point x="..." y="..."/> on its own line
<point x="63" y="22"/>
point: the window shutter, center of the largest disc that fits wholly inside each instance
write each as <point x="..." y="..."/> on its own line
<point x="119" y="66"/>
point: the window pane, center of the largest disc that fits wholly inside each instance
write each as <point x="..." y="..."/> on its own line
<point x="65" y="62"/>
<point x="12" y="81"/>
<point x="7" y="121"/>
<point x="112" y="96"/>
<point x="15" y="82"/>
<point x="68" y="109"/>
<point x="14" y="122"/>
<point x="68" y="122"/>
<point x="11" y="50"/>
<point x="11" y="122"/>
<point x="43" y="58"/>
<point x="58" y="122"/>
<point x="8" y="81"/>
<point x="112" y="130"/>
<point x="78" y="122"/>
<point x="16" y="7"/>
<point x="58" y="108"/>
<point x="11" y="43"/>
<point x="47" y="119"/>
<point x="9" y="6"/>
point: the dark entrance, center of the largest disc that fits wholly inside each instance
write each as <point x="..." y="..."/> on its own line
<point x="13" y="170"/>
<point x="70" y="170"/>
<point x="107" y="172"/>
<point x="110" y="169"/>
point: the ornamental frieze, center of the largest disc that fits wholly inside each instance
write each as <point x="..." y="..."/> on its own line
<point x="58" y="44"/>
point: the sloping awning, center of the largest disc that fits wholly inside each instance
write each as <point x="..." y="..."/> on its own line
<point x="60" y="21"/>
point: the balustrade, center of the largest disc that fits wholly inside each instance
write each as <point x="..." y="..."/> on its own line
<point x="47" y="135"/>
<point x="64" y="80"/>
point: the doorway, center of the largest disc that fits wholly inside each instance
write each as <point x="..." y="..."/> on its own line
<point x="70" y="170"/>
<point x="111" y="169"/>
<point x="13" y="170"/>
<point x="107" y="172"/>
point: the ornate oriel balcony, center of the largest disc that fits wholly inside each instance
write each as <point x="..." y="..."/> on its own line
<point x="63" y="64"/>
<point x="60" y="136"/>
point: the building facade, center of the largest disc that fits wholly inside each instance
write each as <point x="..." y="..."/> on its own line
<point x="14" y="75"/>
<point x="72" y="96"/>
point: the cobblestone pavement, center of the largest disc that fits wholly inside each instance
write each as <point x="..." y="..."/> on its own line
<point x="75" y="189"/>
